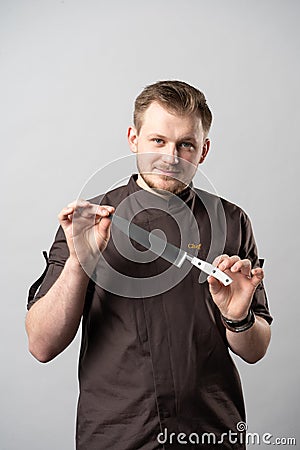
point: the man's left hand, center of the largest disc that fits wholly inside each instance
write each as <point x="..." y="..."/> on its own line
<point x="234" y="300"/>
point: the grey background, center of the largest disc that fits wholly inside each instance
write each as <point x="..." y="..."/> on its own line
<point x="70" y="71"/>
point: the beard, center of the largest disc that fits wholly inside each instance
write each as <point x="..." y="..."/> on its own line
<point x="175" y="183"/>
<point x="169" y="184"/>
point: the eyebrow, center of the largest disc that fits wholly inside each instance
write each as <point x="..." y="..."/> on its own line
<point x="184" y="138"/>
<point x="156" y="135"/>
<point x="188" y="138"/>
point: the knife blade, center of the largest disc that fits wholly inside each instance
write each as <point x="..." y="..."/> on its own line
<point x="165" y="250"/>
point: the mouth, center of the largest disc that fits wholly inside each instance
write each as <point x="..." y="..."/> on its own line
<point x="166" y="172"/>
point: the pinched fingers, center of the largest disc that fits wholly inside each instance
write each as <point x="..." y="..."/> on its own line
<point x="66" y="214"/>
<point x="86" y="210"/>
<point x="103" y="211"/>
<point x="83" y="208"/>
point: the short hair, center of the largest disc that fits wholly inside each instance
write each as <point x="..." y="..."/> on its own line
<point x="175" y="96"/>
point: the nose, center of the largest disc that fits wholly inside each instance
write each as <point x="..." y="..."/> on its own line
<point x="170" y="154"/>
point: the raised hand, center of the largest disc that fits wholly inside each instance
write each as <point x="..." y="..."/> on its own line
<point x="87" y="229"/>
<point x="234" y="300"/>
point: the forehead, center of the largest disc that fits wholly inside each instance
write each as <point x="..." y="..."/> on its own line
<point x="157" y="119"/>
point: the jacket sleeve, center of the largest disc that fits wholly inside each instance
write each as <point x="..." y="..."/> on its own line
<point x="58" y="255"/>
<point x="248" y="250"/>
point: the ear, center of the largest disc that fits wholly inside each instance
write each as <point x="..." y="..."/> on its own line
<point x="132" y="139"/>
<point x="205" y="150"/>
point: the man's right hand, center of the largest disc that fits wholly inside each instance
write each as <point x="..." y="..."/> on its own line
<point x="52" y="322"/>
<point x="87" y="230"/>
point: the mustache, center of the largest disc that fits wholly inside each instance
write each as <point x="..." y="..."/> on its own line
<point x="167" y="169"/>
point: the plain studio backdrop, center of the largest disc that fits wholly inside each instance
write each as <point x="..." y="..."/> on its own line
<point x="70" y="71"/>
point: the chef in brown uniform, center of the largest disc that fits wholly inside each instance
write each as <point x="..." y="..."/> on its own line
<point x="155" y="369"/>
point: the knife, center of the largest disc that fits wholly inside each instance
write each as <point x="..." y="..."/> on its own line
<point x="165" y="250"/>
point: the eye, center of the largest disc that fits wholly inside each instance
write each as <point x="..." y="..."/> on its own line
<point x="158" y="141"/>
<point x="186" y="146"/>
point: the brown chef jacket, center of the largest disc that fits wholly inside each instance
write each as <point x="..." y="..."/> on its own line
<point x="158" y="363"/>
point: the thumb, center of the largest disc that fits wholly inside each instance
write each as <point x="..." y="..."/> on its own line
<point x="104" y="225"/>
<point x="214" y="285"/>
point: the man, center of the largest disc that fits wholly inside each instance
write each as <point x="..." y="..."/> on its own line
<point x="154" y="367"/>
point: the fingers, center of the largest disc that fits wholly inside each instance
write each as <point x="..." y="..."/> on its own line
<point x="86" y="209"/>
<point x="236" y="264"/>
<point x="219" y="259"/>
<point x="85" y="212"/>
<point x="82" y="208"/>
<point x="230" y="263"/>
<point x="241" y="265"/>
<point x="257" y="276"/>
<point x="65" y="214"/>
<point x="104" y="211"/>
<point x="224" y="262"/>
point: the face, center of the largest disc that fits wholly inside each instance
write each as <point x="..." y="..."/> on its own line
<point x="169" y="148"/>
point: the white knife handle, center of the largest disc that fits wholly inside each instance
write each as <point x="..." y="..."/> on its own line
<point x="211" y="270"/>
